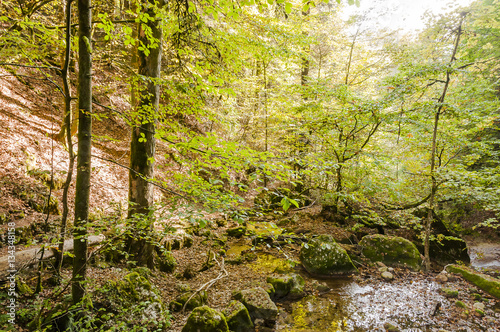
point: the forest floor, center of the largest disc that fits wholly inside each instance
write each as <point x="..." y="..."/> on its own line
<point x="28" y="121"/>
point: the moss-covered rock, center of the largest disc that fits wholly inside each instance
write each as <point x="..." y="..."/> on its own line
<point x="236" y="231"/>
<point x="289" y="285"/>
<point x="259" y="305"/>
<point x="130" y="302"/>
<point x="448" y="292"/>
<point x="205" y="319"/>
<point x="323" y="256"/>
<point x="238" y="318"/>
<point x="166" y="262"/>
<point x="197" y="300"/>
<point x="391" y="250"/>
<point x="488" y="284"/>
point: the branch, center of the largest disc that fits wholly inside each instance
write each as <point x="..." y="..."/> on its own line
<point x="144" y="178"/>
<point x="28" y="66"/>
<point x="209" y="284"/>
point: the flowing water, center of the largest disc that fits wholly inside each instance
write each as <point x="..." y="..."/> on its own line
<point x="349" y="306"/>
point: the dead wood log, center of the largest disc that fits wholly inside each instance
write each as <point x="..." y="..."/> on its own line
<point x="29" y="257"/>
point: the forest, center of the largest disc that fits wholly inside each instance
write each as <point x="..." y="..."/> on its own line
<point x="223" y="165"/>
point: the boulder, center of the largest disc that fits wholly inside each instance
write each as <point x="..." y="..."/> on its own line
<point x="132" y="301"/>
<point x="236" y="231"/>
<point x="391" y="250"/>
<point x="259" y="305"/>
<point x="449" y="250"/>
<point x="324" y="256"/>
<point x="238" y="318"/>
<point x="205" y="319"/>
<point x="198" y="300"/>
<point x="289" y="285"/>
<point x="166" y="262"/>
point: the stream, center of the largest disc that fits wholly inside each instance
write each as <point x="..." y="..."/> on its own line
<point x="369" y="303"/>
<point x="350" y="306"/>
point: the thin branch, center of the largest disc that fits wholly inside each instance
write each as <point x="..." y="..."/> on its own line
<point x="146" y="179"/>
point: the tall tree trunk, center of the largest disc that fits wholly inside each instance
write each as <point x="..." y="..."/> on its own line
<point x="67" y="124"/>
<point x="142" y="147"/>
<point x="438" y="113"/>
<point x="83" y="163"/>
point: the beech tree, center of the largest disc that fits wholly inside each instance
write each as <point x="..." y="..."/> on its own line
<point x="143" y="141"/>
<point x="83" y="162"/>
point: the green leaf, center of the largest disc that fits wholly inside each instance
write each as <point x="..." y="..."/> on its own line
<point x="288" y="7"/>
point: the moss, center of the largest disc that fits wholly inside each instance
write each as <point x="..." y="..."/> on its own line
<point x="292" y="285"/>
<point x="391" y="250"/>
<point x="130" y="302"/>
<point x="479" y="312"/>
<point x="167" y="262"/>
<point x="488" y="284"/>
<point x="198" y="300"/>
<point x="259" y="304"/>
<point x="450" y="292"/>
<point x="460" y="304"/>
<point x="238" y="318"/>
<point x="236" y="232"/>
<point x="323" y="256"/>
<point x="206" y="319"/>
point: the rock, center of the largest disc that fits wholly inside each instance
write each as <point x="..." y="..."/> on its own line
<point x="290" y="285"/>
<point x="206" y="319"/>
<point x="460" y="304"/>
<point x="479" y="312"/>
<point x="323" y="256"/>
<point x="391" y="250"/>
<point x="441" y="278"/>
<point x="479" y="306"/>
<point x="320" y="286"/>
<point x="483" y="281"/>
<point x="383" y="269"/>
<point x="380" y="264"/>
<point x="188" y="241"/>
<point x="387" y="275"/>
<point x="449" y="293"/>
<point x="391" y="328"/>
<point x="132" y="301"/>
<point x="198" y="300"/>
<point x="166" y="262"/>
<point x="238" y="318"/>
<point x="236" y="232"/>
<point x="259" y="305"/>
<point x="449" y="250"/>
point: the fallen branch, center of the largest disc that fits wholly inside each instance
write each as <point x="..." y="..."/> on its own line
<point x="30" y="257"/>
<point x="210" y="283"/>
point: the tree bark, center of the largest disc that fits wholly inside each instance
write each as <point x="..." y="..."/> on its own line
<point x="67" y="124"/>
<point x="84" y="149"/>
<point x="143" y="141"/>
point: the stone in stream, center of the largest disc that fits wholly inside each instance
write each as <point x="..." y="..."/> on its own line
<point x="289" y="285"/>
<point x="386" y="275"/>
<point x="324" y="256"/>
<point x="391" y="250"/>
<point x="259" y="305"/>
<point x="205" y="319"/>
<point x="238" y="318"/>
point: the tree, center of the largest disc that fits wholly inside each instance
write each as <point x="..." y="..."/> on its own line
<point x="83" y="163"/>
<point x="143" y="140"/>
